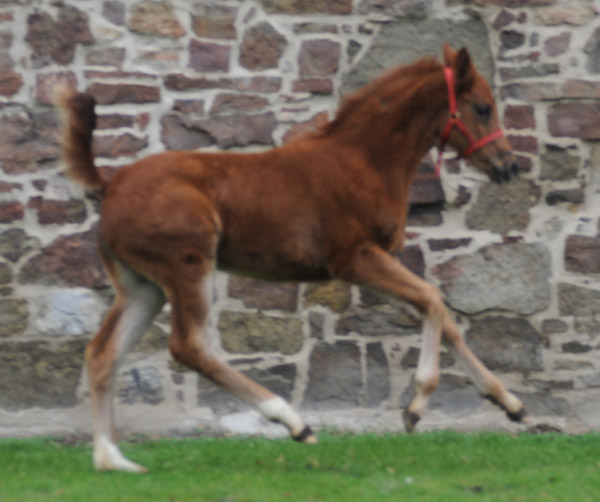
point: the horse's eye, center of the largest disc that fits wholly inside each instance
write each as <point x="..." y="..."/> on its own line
<point x="484" y="111"/>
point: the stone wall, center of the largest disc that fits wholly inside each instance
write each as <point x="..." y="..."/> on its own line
<point x="518" y="263"/>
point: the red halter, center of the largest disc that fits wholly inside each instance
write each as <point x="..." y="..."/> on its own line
<point x="455" y="121"/>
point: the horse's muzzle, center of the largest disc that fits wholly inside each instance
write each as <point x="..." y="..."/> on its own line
<point x="504" y="172"/>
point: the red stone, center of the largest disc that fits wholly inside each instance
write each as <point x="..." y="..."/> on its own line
<point x="228" y="102"/>
<point x="111" y="94"/>
<point x="575" y="120"/>
<point x="11" y="211"/>
<point x="519" y="117"/>
<point x="307" y="6"/>
<point x="58" y="212"/>
<point x="124" y="145"/>
<point x="314" y="86"/>
<point x="155" y="18"/>
<point x="262" y="47"/>
<point x="115" y="120"/>
<point x="214" y="21"/>
<point x="68" y="261"/>
<point x="180" y="82"/>
<point x="10" y="82"/>
<point x="55" y="41"/>
<point x="319" y="57"/>
<point x="526" y="144"/>
<point x="206" y="56"/>
<point x="582" y="254"/>
<point x="557" y="45"/>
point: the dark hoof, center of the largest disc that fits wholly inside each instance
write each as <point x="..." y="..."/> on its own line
<point x="518" y="416"/>
<point x="515" y="416"/>
<point x="306" y="435"/>
<point x="410" y="420"/>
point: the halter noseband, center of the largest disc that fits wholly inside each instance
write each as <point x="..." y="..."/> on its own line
<point x="455" y="121"/>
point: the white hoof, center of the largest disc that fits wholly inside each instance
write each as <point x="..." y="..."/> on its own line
<point x="108" y="457"/>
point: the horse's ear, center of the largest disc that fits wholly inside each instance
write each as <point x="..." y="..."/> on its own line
<point x="449" y="55"/>
<point x="465" y="72"/>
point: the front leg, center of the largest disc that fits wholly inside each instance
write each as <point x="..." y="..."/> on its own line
<point x="373" y="267"/>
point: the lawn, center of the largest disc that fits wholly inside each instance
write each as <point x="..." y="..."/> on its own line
<point x="439" y="466"/>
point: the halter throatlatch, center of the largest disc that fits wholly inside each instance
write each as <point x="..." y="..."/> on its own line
<point x="455" y="121"/>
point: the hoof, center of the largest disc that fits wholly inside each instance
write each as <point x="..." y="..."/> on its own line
<point x="410" y="420"/>
<point x="518" y="416"/>
<point x="306" y="436"/>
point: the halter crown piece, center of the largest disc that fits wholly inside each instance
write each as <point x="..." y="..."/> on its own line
<point x="455" y="121"/>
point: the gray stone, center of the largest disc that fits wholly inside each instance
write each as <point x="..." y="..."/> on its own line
<point x="263" y="295"/>
<point x="154" y="340"/>
<point x="378" y="375"/>
<point x="577" y="300"/>
<point x="5" y="274"/>
<point x="591" y="380"/>
<point x="513" y="277"/>
<point x="14" y="317"/>
<point x="69" y="312"/>
<point x="40" y="373"/>
<point x="334" y="377"/>
<point x="571" y="196"/>
<point x="412" y="9"/>
<point x="247" y="332"/>
<point x="316" y="320"/>
<point x="576" y="347"/>
<point x="336" y="295"/>
<point x="411" y="358"/>
<point x="178" y="133"/>
<point x="455" y="394"/>
<point x="506" y="344"/>
<point x="141" y="385"/>
<point x="16" y="243"/>
<point x="587" y="325"/>
<point x="557" y="164"/>
<point x="592" y="49"/>
<point x="503" y="207"/>
<point x="544" y="404"/>
<point x="376" y="323"/>
<point x="395" y="44"/>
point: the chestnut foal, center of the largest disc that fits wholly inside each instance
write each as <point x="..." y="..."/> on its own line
<point x="330" y="205"/>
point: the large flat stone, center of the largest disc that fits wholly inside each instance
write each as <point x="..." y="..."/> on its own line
<point x="511" y="277"/>
<point x="40" y="373"/>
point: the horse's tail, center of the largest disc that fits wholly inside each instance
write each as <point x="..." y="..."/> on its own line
<point x="78" y="124"/>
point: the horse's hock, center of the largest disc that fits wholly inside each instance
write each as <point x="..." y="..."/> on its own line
<point x="517" y="263"/>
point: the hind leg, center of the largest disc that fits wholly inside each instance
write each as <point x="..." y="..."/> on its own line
<point x="188" y="345"/>
<point x="136" y="304"/>
<point x="485" y="381"/>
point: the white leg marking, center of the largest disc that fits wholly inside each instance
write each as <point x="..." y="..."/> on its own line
<point x="278" y="410"/>
<point x="108" y="457"/>
<point x="428" y="367"/>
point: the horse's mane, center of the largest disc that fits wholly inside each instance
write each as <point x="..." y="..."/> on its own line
<point x="394" y="82"/>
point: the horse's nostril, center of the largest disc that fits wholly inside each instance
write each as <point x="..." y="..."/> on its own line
<point x="514" y="168"/>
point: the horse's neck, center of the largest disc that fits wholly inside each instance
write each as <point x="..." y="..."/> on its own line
<point x="395" y="140"/>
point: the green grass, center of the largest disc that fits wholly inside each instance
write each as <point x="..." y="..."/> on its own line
<point x="441" y="466"/>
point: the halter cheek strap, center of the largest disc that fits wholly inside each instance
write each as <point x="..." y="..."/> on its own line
<point x="454" y="120"/>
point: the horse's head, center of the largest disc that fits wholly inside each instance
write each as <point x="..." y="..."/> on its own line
<point x="473" y="128"/>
